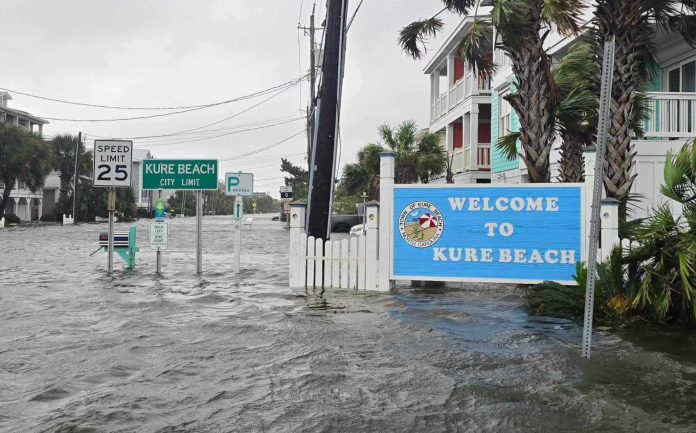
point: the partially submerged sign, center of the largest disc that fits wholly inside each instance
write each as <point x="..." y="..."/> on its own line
<point x="506" y="233"/>
<point x="239" y="184"/>
<point x="158" y="236"/>
<point x="180" y="174"/>
<point x="113" y="160"/>
<point x="160" y="209"/>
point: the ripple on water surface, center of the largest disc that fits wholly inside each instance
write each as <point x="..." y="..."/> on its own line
<point x="81" y="352"/>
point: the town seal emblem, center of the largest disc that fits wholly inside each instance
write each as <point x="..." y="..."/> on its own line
<point x="421" y="224"/>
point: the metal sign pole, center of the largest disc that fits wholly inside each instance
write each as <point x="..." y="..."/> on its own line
<point x="159" y="262"/>
<point x="199" y="230"/>
<point x="238" y="211"/>
<point x="112" y="208"/>
<point x="602" y="136"/>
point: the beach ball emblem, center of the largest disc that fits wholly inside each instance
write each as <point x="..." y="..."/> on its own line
<point x="421" y="224"/>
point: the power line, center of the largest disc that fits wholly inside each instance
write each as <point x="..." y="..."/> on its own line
<point x="117" y="107"/>
<point x="263" y="148"/>
<point x="242" y="98"/>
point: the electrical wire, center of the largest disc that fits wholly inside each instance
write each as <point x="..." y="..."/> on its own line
<point x="117" y="107"/>
<point x="231" y="158"/>
<point x="242" y="98"/>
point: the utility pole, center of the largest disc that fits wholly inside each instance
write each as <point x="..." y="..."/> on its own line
<point x="312" y="84"/>
<point x="77" y="157"/>
<point x="322" y="163"/>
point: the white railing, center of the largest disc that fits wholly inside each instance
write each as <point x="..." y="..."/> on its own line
<point x="484" y="155"/>
<point x="457" y="93"/>
<point x="670" y="115"/>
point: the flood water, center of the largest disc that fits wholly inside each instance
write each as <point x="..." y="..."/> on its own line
<point x="80" y="352"/>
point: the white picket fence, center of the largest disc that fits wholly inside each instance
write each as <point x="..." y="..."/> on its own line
<point x="341" y="264"/>
<point x="2" y="223"/>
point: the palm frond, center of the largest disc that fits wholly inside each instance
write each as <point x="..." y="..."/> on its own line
<point x="477" y="48"/>
<point x="412" y="38"/>
<point x="564" y="14"/>
<point x="507" y="144"/>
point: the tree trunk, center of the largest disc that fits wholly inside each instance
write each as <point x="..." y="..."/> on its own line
<point x="572" y="162"/>
<point x="624" y="19"/>
<point x="5" y="196"/>
<point x="536" y="94"/>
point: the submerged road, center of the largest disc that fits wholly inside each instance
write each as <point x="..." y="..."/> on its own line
<point x="80" y="352"/>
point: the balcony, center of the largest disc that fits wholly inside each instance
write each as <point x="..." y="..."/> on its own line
<point x="467" y="86"/>
<point x="670" y="115"/>
<point x="461" y="158"/>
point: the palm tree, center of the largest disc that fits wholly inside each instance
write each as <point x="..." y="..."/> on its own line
<point x="522" y="26"/>
<point x="23" y="156"/>
<point x="633" y="23"/>
<point x="663" y="245"/>
<point x="419" y="157"/>
<point x="576" y="114"/>
<point x="64" y="162"/>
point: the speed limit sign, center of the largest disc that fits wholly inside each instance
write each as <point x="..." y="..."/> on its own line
<point x="113" y="160"/>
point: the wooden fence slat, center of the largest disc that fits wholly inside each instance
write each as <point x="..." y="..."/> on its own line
<point x="328" y="256"/>
<point x="345" y="259"/>
<point x="310" y="261"/>
<point x="353" y="263"/>
<point x="318" y="262"/>
<point x="335" y="264"/>
<point x="361" y="263"/>
<point x="302" y="260"/>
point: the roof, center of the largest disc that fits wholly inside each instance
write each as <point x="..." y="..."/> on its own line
<point x="24" y="114"/>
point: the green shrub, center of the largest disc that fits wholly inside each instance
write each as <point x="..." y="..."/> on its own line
<point x="48" y="218"/>
<point x="11" y="219"/>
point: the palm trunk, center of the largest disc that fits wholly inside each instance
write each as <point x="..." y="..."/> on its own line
<point x="572" y="162"/>
<point x="624" y="19"/>
<point x="536" y="94"/>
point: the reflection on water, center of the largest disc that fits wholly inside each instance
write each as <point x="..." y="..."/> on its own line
<point x="223" y="352"/>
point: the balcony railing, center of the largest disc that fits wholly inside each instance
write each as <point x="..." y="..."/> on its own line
<point x="670" y="115"/>
<point x="457" y="93"/>
<point x="461" y="160"/>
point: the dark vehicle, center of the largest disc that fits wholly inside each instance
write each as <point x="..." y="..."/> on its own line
<point x="343" y="223"/>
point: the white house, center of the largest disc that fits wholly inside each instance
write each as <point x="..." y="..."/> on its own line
<point x="458" y="98"/>
<point x="24" y="203"/>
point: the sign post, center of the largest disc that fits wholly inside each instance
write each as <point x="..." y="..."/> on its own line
<point x="113" y="162"/>
<point x="238" y="215"/>
<point x="286" y="198"/>
<point x="197" y="175"/>
<point x="239" y="185"/>
<point x="158" y="241"/>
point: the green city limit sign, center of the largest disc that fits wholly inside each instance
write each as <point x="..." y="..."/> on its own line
<point x="200" y="174"/>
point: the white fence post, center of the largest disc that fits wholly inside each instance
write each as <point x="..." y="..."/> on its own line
<point x="298" y="238"/>
<point x="311" y="257"/>
<point x="345" y="262"/>
<point x="372" y="236"/>
<point x="335" y="264"/>
<point x="610" y="226"/>
<point x="386" y="198"/>
<point x="590" y="155"/>
<point x="328" y="260"/>
<point x="68" y="219"/>
<point x="318" y="262"/>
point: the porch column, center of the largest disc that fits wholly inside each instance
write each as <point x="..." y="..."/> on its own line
<point x="473" y="136"/>
<point x="15" y="211"/>
<point x="40" y="129"/>
<point x="449" y="137"/>
<point x="40" y="200"/>
<point x="450" y="70"/>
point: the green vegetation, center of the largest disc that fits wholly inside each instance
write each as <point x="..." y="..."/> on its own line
<point x="419" y="157"/>
<point x="63" y="147"/>
<point x="24" y="157"/>
<point x="653" y="279"/>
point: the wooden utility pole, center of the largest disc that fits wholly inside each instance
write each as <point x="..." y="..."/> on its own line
<point x="77" y="157"/>
<point x="312" y="84"/>
<point x="322" y="163"/>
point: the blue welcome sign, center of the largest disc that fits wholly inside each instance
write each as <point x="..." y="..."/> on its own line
<point x="502" y="233"/>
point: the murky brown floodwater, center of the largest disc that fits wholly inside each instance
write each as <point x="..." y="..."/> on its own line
<point x="80" y="352"/>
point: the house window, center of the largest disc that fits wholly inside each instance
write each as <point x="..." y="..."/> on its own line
<point x="682" y="77"/>
<point x="504" y="115"/>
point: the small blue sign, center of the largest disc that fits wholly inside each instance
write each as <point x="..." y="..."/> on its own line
<point x="506" y="233"/>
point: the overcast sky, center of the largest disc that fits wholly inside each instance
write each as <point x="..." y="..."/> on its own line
<point x="163" y="53"/>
